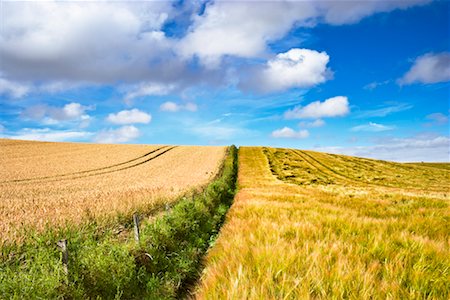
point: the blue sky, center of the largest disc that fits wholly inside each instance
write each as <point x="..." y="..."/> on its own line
<point x="365" y="78"/>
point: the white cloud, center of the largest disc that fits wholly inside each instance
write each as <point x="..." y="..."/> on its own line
<point x="244" y="28"/>
<point x="428" y="68"/>
<point x="13" y="89"/>
<point x="347" y="12"/>
<point x="72" y="111"/>
<point x="120" y="135"/>
<point x="313" y="124"/>
<point x="240" y="28"/>
<point x="119" y="40"/>
<point x="47" y="134"/>
<point x="372" y="127"/>
<point x="148" y="89"/>
<point x="296" y="68"/>
<point x="2" y="128"/>
<point x="129" y="117"/>
<point x="52" y="115"/>
<point x="415" y="149"/>
<point x="124" y="42"/>
<point x="333" y="107"/>
<point x="170" y="106"/>
<point x="290" y="133"/>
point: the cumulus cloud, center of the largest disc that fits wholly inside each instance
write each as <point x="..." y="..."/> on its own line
<point x="243" y="29"/>
<point x="125" y="42"/>
<point x="120" y="135"/>
<point x="170" y="106"/>
<point x="240" y="29"/>
<point x="132" y="116"/>
<point x="290" y="133"/>
<point x="312" y="124"/>
<point x="333" y="107"/>
<point x="414" y="149"/>
<point x="296" y="68"/>
<point x="53" y="115"/>
<point x="428" y="68"/>
<point x="47" y="134"/>
<point x="372" y="127"/>
<point x="121" y="41"/>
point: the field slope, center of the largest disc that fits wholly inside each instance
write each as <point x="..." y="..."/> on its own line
<point x="314" y="225"/>
<point x="46" y="184"/>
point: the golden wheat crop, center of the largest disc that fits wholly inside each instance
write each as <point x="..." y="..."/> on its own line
<point x="55" y="184"/>
<point x="313" y="225"/>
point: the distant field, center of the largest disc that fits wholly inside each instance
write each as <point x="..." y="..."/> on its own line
<point x="314" y="225"/>
<point x="52" y="184"/>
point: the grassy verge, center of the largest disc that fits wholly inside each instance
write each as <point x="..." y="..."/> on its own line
<point x="104" y="265"/>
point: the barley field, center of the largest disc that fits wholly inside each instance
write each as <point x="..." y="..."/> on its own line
<point x="46" y="184"/>
<point x="308" y="225"/>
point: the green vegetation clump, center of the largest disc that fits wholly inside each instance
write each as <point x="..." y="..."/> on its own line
<point x="104" y="265"/>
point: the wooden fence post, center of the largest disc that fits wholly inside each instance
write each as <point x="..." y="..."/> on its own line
<point x="62" y="245"/>
<point x="136" y="227"/>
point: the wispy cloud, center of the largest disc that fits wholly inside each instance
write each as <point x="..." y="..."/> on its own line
<point x="170" y="106"/>
<point x="437" y="119"/>
<point x="147" y="89"/>
<point x="383" y="111"/>
<point x="373" y="85"/>
<point x="47" y="134"/>
<point x="372" y="127"/>
<point x="313" y="124"/>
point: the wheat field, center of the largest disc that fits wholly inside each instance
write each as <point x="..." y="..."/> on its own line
<point x="46" y="184"/>
<point x="309" y="225"/>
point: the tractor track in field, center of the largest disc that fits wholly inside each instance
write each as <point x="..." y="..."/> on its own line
<point x="330" y="172"/>
<point x="94" y="172"/>
<point x="314" y="164"/>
